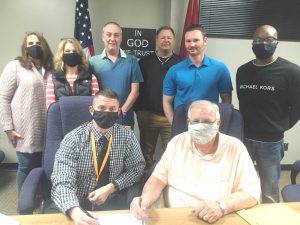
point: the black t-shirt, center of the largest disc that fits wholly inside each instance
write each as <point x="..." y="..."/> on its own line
<point x="269" y="98"/>
<point x="154" y="71"/>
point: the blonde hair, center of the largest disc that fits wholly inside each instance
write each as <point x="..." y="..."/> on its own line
<point x="58" y="59"/>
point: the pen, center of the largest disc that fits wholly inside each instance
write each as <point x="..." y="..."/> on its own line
<point x="87" y="213"/>
<point x="140" y="204"/>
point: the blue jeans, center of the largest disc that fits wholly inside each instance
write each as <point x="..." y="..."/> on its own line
<point x="267" y="156"/>
<point x="27" y="162"/>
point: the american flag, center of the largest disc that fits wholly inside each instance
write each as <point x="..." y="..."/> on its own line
<point x="82" y="30"/>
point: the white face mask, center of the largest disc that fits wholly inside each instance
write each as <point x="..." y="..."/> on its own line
<point x="202" y="133"/>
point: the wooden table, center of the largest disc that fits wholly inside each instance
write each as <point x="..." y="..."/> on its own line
<point x="157" y="216"/>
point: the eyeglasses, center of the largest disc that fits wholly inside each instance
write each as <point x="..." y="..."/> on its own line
<point x="203" y="122"/>
<point x="268" y="40"/>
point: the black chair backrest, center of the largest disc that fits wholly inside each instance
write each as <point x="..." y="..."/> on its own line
<point x="232" y="122"/>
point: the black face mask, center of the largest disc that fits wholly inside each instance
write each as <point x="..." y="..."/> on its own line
<point x="105" y="119"/>
<point x="264" y="51"/>
<point x="35" y="51"/>
<point x="72" y="59"/>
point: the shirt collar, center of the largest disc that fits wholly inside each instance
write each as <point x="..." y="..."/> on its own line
<point x="98" y="134"/>
<point x="205" y="62"/>
<point x="122" y="54"/>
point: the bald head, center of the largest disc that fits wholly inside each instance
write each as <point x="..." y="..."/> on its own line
<point x="203" y="111"/>
<point x="265" y="31"/>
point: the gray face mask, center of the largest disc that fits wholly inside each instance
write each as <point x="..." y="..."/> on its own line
<point x="202" y="133"/>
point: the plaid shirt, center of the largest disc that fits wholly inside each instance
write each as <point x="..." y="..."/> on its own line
<point x="73" y="176"/>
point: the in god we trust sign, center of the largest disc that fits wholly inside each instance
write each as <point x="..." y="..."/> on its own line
<point x="137" y="41"/>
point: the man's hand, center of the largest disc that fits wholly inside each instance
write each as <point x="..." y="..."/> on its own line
<point x="13" y="137"/>
<point x="208" y="211"/>
<point x="123" y="111"/>
<point x="137" y="208"/>
<point x="80" y="218"/>
<point x="168" y="107"/>
<point x="100" y="195"/>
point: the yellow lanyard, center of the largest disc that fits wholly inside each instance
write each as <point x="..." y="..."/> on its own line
<point x="99" y="171"/>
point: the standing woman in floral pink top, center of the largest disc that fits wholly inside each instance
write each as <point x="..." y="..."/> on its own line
<point x="22" y="101"/>
<point x="71" y="75"/>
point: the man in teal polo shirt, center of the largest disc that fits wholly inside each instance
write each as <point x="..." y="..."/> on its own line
<point x="198" y="77"/>
<point x="117" y="71"/>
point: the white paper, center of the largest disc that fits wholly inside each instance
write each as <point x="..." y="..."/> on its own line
<point x="6" y="220"/>
<point x="119" y="218"/>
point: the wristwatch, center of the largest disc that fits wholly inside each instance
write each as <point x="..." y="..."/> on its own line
<point x="222" y="206"/>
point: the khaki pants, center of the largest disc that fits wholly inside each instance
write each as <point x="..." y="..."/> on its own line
<point x="151" y="125"/>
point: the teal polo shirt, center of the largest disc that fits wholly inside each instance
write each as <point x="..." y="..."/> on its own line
<point x="117" y="76"/>
<point x="186" y="82"/>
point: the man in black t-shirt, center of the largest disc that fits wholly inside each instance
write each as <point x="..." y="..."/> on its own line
<point x="151" y="118"/>
<point x="269" y="99"/>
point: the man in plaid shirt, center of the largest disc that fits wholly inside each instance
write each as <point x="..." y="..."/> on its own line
<point x="96" y="163"/>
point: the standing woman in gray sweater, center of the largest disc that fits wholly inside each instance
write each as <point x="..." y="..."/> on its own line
<point x="22" y="102"/>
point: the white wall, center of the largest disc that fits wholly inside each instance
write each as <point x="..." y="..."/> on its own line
<point x="55" y="19"/>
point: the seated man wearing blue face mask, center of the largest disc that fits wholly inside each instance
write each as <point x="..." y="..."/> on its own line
<point x="96" y="163"/>
<point x="204" y="169"/>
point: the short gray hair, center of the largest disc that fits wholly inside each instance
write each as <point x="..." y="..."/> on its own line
<point x="213" y="105"/>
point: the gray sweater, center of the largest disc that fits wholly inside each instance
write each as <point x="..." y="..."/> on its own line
<point x="22" y="105"/>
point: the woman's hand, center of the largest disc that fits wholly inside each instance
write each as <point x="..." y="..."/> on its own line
<point x="13" y="137"/>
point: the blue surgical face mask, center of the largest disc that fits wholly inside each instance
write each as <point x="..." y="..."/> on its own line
<point x="202" y="133"/>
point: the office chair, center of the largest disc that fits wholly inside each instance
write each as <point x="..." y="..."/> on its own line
<point x="2" y="156"/>
<point x="62" y="117"/>
<point x="232" y="122"/>
<point x="291" y="192"/>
